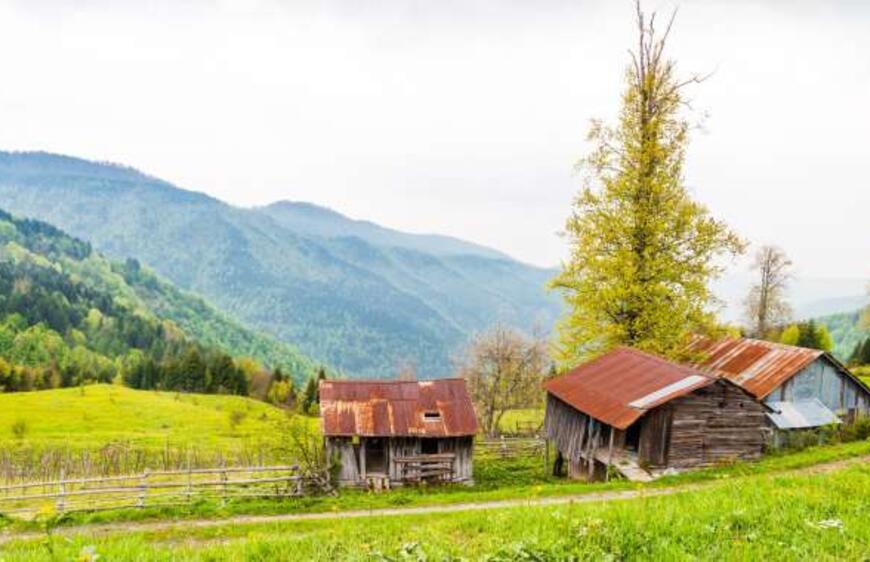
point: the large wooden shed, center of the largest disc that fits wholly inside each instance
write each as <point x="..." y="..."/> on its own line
<point x="642" y="415"/>
<point x="387" y="433"/>
<point x="804" y="388"/>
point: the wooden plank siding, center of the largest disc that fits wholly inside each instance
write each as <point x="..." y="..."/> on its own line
<point x="352" y="458"/>
<point x="655" y="434"/>
<point x="713" y="425"/>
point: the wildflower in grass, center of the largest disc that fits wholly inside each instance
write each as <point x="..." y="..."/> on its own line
<point x="88" y="554"/>
<point x="827" y="524"/>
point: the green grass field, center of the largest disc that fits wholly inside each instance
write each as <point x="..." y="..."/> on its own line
<point x="746" y="511"/>
<point x="793" y="517"/>
<point x="514" y="419"/>
<point x="93" y="416"/>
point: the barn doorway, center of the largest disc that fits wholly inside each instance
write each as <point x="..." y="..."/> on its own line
<point x="376" y="456"/>
<point x="632" y="437"/>
<point x="429" y="446"/>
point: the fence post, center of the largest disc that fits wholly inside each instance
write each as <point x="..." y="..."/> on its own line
<point x="546" y="455"/>
<point x="143" y="489"/>
<point x="504" y="451"/>
<point x="224" y="486"/>
<point x="61" y="496"/>
<point x="189" y="481"/>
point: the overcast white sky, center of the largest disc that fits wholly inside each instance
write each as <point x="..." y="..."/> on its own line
<point x="462" y="117"/>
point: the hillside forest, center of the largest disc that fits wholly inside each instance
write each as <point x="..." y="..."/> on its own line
<point x="69" y="316"/>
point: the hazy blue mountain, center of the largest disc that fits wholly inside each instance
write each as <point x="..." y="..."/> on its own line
<point x="307" y="218"/>
<point x="358" y="296"/>
<point x="832" y="306"/>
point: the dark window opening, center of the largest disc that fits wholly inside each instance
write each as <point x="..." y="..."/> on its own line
<point x="429" y="446"/>
<point x="431" y="416"/>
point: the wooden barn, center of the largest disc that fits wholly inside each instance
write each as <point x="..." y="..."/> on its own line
<point x="388" y="433"/>
<point x="804" y="388"/>
<point x="642" y="415"/>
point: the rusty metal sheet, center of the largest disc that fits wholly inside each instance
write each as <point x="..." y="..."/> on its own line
<point x="397" y="408"/>
<point x="760" y="367"/>
<point x="606" y="387"/>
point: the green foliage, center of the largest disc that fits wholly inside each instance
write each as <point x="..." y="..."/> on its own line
<point x="236" y="417"/>
<point x="642" y="251"/>
<point x="861" y="353"/>
<point x="808" y="334"/>
<point x="69" y="316"/>
<point x="790" y="335"/>
<point x="310" y="400"/>
<point x="19" y="428"/>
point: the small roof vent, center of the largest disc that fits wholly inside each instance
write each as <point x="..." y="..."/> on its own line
<point x="432" y="416"/>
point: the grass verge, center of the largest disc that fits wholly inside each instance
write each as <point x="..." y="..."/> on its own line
<point x="762" y="516"/>
<point x="497" y="480"/>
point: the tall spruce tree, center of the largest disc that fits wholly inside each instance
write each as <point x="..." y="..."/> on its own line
<point x="642" y="251"/>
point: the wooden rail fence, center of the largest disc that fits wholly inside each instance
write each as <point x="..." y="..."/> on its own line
<point x="511" y="447"/>
<point x="151" y="489"/>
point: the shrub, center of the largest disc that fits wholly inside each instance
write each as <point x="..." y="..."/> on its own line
<point x="236" y="418"/>
<point x="19" y="428"/>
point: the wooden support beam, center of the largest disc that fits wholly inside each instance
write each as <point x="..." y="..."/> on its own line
<point x="609" y="455"/>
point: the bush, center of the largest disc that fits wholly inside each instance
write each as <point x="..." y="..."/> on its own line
<point x="858" y="430"/>
<point x="19" y="428"/>
<point x="236" y="418"/>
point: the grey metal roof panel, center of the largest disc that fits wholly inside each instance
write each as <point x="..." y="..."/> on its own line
<point x="801" y="414"/>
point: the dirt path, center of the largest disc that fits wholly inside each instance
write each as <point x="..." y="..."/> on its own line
<point x="114" y="528"/>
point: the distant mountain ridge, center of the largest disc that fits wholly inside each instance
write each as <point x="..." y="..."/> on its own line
<point x="358" y="296"/>
<point x="314" y="220"/>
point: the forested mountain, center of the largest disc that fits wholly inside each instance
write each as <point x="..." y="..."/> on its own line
<point x="360" y="297"/>
<point x="846" y="332"/>
<point x="68" y="316"/>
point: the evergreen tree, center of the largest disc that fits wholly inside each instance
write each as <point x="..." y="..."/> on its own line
<point x="808" y="334"/>
<point x="321" y="376"/>
<point x="309" y="395"/>
<point x="864" y="357"/>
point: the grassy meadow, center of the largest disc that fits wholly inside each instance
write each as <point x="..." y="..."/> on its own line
<point x="93" y="416"/>
<point x="782" y="517"/>
<point x="520" y="419"/>
<point x="743" y="505"/>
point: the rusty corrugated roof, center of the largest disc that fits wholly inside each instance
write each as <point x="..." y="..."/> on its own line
<point x="758" y="366"/>
<point x="396" y="408"/>
<point x="620" y="386"/>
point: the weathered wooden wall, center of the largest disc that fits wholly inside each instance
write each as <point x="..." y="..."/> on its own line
<point x="351" y="456"/>
<point x="342" y="450"/>
<point x="715" y="424"/>
<point x="655" y="436"/>
<point x="578" y="437"/>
